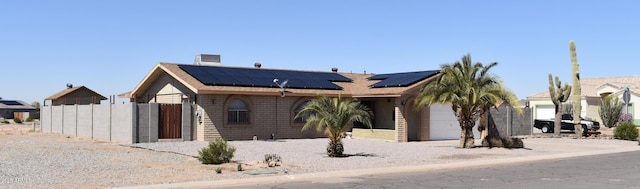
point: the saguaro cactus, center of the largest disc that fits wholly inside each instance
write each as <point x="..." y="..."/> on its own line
<point x="577" y="96"/>
<point x="559" y="94"/>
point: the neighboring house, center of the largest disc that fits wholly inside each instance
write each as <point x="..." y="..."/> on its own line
<point x="16" y="108"/>
<point x="240" y="103"/>
<point x="75" y="95"/>
<point x="593" y="90"/>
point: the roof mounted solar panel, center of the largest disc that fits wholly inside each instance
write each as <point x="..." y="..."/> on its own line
<point x="10" y="102"/>
<point x="400" y="79"/>
<point x="251" y="77"/>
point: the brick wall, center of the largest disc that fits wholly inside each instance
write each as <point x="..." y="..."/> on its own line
<point x="268" y="115"/>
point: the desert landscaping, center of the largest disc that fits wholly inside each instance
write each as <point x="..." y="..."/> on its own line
<point x="35" y="160"/>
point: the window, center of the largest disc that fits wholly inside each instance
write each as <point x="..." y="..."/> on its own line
<point x="238" y="112"/>
<point x="302" y="118"/>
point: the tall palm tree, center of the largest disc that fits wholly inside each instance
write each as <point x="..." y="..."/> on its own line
<point x="334" y="114"/>
<point x="470" y="89"/>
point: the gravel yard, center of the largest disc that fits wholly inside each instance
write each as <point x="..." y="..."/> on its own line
<point x="34" y="160"/>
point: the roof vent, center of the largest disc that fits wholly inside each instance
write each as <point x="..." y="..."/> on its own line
<point x="257" y="65"/>
<point x="334" y="69"/>
<point x="207" y="60"/>
<point x="69" y="85"/>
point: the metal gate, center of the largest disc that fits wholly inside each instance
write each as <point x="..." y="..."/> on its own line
<point x="170" y="121"/>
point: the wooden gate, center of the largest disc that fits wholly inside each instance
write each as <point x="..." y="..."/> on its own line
<point x="170" y="121"/>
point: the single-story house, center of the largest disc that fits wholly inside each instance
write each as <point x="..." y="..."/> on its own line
<point x="240" y="103"/>
<point x="593" y="91"/>
<point x="75" y="95"/>
<point x="16" y="108"/>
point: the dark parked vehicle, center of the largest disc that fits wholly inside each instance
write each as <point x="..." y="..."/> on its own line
<point x="546" y="125"/>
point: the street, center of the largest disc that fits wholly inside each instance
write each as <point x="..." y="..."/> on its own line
<point x="618" y="170"/>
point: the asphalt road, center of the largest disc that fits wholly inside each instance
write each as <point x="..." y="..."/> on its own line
<point x="620" y="170"/>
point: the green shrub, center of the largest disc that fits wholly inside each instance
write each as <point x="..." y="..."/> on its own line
<point x="5" y="121"/>
<point x="502" y="142"/>
<point x="17" y="120"/>
<point x="217" y="152"/>
<point x="29" y="119"/>
<point x="219" y="170"/>
<point x="626" y="131"/>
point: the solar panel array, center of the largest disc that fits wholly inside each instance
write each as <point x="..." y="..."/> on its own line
<point x="251" y="77"/>
<point x="400" y="79"/>
<point x="10" y="103"/>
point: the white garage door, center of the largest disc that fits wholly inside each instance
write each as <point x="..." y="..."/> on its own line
<point x="545" y="112"/>
<point x="443" y="124"/>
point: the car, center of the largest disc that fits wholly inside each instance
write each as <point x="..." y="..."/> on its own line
<point x="547" y="125"/>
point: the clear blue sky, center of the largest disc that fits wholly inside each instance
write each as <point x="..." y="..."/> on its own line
<point x="109" y="46"/>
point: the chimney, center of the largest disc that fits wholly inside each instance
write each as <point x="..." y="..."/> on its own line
<point x="334" y="69"/>
<point x="207" y="60"/>
<point x="257" y="65"/>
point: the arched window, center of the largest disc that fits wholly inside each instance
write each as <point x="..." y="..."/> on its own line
<point x="302" y="118"/>
<point x="238" y="112"/>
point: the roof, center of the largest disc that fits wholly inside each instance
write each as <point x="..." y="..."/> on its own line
<point x="74" y="89"/>
<point x="590" y="86"/>
<point x="346" y="84"/>
<point x="15" y="104"/>
<point x="125" y="95"/>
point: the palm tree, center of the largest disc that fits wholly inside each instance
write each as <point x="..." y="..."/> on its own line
<point x="334" y="114"/>
<point x="470" y="89"/>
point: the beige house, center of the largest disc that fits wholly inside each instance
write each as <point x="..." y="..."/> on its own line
<point x="240" y="103"/>
<point x="593" y="90"/>
<point x="75" y="95"/>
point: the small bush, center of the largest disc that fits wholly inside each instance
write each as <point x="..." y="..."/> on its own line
<point x="217" y="152"/>
<point x="219" y="170"/>
<point x="626" y="131"/>
<point x="5" y="121"/>
<point x="17" y="120"/>
<point x="502" y="142"/>
<point x="29" y="119"/>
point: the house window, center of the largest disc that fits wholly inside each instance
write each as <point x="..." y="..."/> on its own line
<point x="238" y="112"/>
<point x="303" y="118"/>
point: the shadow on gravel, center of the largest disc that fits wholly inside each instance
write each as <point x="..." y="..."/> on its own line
<point x="357" y="155"/>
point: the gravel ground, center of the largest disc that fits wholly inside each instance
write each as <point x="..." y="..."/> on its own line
<point x="34" y="160"/>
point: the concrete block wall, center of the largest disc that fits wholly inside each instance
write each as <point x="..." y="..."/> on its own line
<point x="45" y="114"/>
<point x="56" y="119"/>
<point x="507" y="122"/>
<point x="154" y="113"/>
<point x="122" y="123"/>
<point x="69" y="116"/>
<point x="143" y="123"/>
<point x="85" y="121"/>
<point x="101" y="122"/>
<point x="123" y="120"/>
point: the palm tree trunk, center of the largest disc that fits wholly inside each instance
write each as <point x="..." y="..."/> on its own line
<point x="470" y="140"/>
<point x="463" y="137"/>
<point x="466" y="137"/>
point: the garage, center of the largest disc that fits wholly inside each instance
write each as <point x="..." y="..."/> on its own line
<point x="545" y="112"/>
<point x="443" y="124"/>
